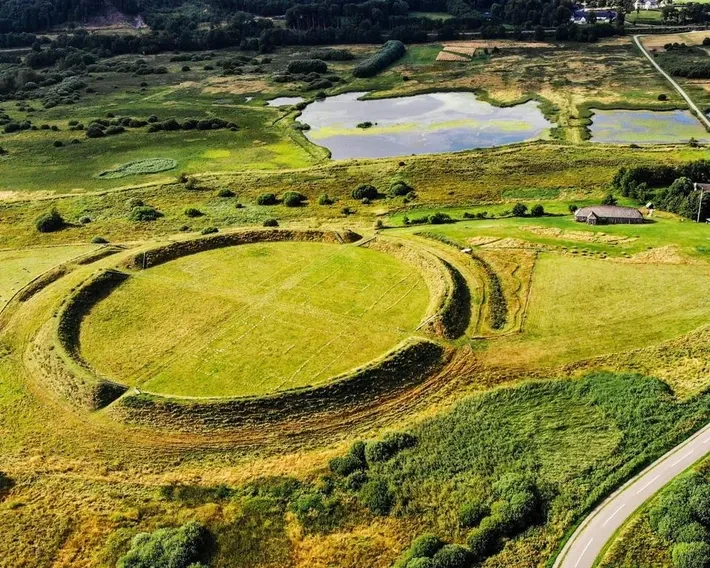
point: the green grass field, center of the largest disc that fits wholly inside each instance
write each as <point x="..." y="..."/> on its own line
<point x="19" y="267"/>
<point x="254" y="319"/>
<point x="582" y="307"/>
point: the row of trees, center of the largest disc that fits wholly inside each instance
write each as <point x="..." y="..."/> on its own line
<point x="670" y="188"/>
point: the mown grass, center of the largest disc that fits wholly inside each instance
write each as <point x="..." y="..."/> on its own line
<point x="19" y="267"/>
<point x="583" y="307"/>
<point x="254" y="319"/>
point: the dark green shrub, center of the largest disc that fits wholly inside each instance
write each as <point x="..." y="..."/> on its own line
<point x="471" y="513"/>
<point x="366" y="124"/>
<point x="85" y="220"/>
<point x="266" y="199"/>
<point x="426" y="545"/>
<point x="209" y="230"/>
<point x="700" y="504"/>
<point x="57" y="143"/>
<point x="377" y="496"/>
<point x="49" y="222"/>
<point x="572" y="208"/>
<point x="315" y="512"/>
<point x="482" y="541"/>
<point x="225" y="193"/>
<point x="293" y="199"/>
<point x="662" y="97"/>
<point x="271" y="223"/>
<point x="390" y="52"/>
<point x="399" y="188"/>
<point x="385" y="449"/>
<point x="325" y="200"/>
<point x="609" y="199"/>
<point x="537" y="210"/>
<point x="99" y="241"/>
<point x="439" y="218"/>
<point x="95" y="131"/>
<point x="519" y="209"/>
<point x="307" y="66"/>
<point x="365" y="191"/>
<point x="691" y="555"/>
<point x="693" y="532"/>
<point x="177" y="548"/>
<point x="452" y="556"/>
<point x="192" y="212"/>
<point x="356" y="479"/>
<point x="5" y="482"/>
<point x="144" y="213"/>
<point x="345" y="465"/>
<point x="134" y="202"/>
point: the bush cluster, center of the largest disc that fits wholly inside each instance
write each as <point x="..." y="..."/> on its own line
<point x="365" y="191"/>
<point x="267" y="199"/>
<point x="681" y="516"/>
<point x="390" y="52"/>
<point x="172" y="124"/>
<point x="307" y="66"/>
<point x="293" y="199"/>
<point x="181" y="547"/>
<point x="144" y="213"/>
<point x="49" y="222"/>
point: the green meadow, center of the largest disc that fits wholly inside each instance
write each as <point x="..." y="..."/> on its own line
<point x="254" y="319"/>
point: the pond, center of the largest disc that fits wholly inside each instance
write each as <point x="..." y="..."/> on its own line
<point x="646" y="127"/>
<point x="418" y="124"/>
<point x="285" y="101"/>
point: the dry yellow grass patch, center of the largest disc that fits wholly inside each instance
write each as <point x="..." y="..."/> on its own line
<point x="236" y="85"/>
<point x="583" y="236"/>
<point x="658" y="41"/>
<point x="470" y="51"/>
<point x="661" y="255"/>
<point x="446" y="56"/>
<point x="375" y="545"/>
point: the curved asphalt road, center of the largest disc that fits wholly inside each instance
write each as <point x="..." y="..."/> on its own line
<point x="591" y="537"/>
<point x="676" y="86"/>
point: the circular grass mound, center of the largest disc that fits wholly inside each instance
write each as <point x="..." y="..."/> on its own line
<point x="139" y="167"/>
<point x="254" y="319"/>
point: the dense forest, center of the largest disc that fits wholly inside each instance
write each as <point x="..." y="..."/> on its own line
<point x="317" y="17"/>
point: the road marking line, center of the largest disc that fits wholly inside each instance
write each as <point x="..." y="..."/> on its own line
<point x="676" y="462"/>
<point x="706" y="440"/>
<point x="649" y="483"/>
<point x="585" y="550"/>
<point x="613" y="514"/>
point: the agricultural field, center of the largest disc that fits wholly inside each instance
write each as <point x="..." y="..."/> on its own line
<point x="235" y="349"/>
<point x="254" y="319"/>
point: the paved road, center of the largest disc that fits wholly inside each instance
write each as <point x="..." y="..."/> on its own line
<point x="676" y="86"/>
<point x="599" y="527"/>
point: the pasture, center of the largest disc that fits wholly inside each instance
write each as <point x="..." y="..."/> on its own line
<point x="254" y="319"/>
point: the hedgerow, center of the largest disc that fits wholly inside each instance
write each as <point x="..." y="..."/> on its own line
<point x="390" y="52"/>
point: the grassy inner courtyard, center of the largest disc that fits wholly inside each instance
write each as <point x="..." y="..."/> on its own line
<point x="254" y="319"/>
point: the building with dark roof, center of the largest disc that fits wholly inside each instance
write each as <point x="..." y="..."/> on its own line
<point x="608" y="215"/>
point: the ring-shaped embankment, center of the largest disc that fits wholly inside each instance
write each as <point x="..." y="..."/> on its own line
<point x="208" y="349"/>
